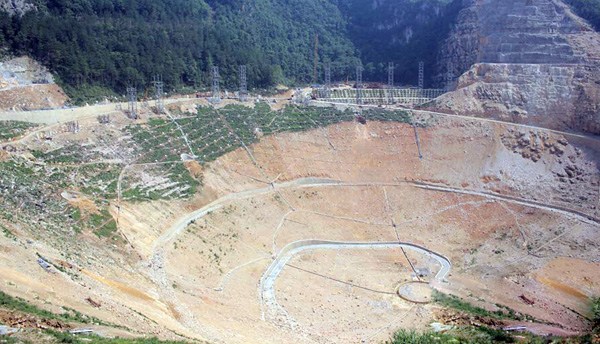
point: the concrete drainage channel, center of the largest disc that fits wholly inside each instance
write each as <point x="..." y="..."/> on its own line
<point x="273" y="311"/>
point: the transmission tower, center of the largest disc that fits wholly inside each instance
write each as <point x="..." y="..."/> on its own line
<point x="159" y="89"/>
<point x="421" y="74"/>
<point x="103" y="119"/>
<point x="391" y="75"/>
<point x="73" y="127"/>
<point x="132" y="97"/>
<point x="449" y="76"/>
<point x="243" y="84"/>
<point x="216" y="88"/>
<point x="327" y="80"/>
<point x="359" y="84"/>
<point x="390" y="85"/>
<point x="316" y="59"/>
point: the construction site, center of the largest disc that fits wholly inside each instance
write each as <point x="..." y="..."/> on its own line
<point x="334" y="213"/>
<point x="238" y="220"/>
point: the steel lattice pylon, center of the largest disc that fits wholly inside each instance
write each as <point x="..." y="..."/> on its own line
<point x="391" y="75"/>
<point x="243" y="84"/>
<point x="216" y="85"/>
<point x="421" y="74"/>
<point x="390" y="85"/>
<point x="159" y="89"/>
<point x="132" y="98"/>
<point x="449" y="76"/>
<point x="359" y="84"/>
<point x="327" y="86"/>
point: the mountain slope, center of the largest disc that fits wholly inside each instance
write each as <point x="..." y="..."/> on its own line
<point x="403" y="32"/>
<point x="112" y="44"/>
<point x="532" y="62"/>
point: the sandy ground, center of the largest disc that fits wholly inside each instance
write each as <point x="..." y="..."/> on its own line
<point x="203" y="283"/>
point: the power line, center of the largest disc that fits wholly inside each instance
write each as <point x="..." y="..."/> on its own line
<point x="340" y="281"/>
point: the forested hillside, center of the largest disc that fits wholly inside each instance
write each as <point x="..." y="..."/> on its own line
<point x="404" y="32"/>
<point x="100" y="45"/>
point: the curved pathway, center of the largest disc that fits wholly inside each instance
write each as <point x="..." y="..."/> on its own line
<point x="275" y="312"/>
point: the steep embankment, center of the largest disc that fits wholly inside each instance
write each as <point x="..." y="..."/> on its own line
<point x="26" y="85"/>
<point x="529" y="62"/>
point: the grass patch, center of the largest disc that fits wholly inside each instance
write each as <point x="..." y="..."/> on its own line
<point x="103" y="224"/>
<point x="7" y="233"/>
<point x="213" y="133"/>
<point x="480" y="335"/>
<point x="100" y="180"/>
<point x="177" y="183"/>
<point x="88" y="94"/>
<point x="65" y="337"/>
<point x="12" y="129"/>
<point x="595" y="301"/>
<point x="70" y="315"/>
<point x="454" y="302"/>
<point x="71" y="154"/>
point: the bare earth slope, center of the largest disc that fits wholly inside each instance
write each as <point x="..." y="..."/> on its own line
<point x="27" y="85"/>
<point x="514" y="210"/>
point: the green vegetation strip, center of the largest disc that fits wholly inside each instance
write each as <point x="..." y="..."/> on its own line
<point x="65" y="337"/>
<point x="12" y="129"/>
<point x="454" y="302"/>
<point x="467" y="335"/>
<point x="21" y="305"/>
<point x="487" y="335"/>
<point x="596" y="314"/>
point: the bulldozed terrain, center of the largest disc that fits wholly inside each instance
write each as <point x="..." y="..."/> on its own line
<point x="244" y="224"/>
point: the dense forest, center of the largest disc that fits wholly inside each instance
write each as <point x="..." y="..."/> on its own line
<point x="99" y="45"/>
<point x="402" y="32"/>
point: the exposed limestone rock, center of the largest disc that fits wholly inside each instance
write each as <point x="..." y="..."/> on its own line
<point x="532" y="145"/>
<point x="27" y="85"/>
<point x="23" y="71"/>
<point x="525" y="61"/>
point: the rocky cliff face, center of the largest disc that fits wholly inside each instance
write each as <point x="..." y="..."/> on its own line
<point x="528" y="61"/>
<point x="23" y="71"/>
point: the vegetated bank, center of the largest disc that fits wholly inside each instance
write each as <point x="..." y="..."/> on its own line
<point x="486" y="333"/>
